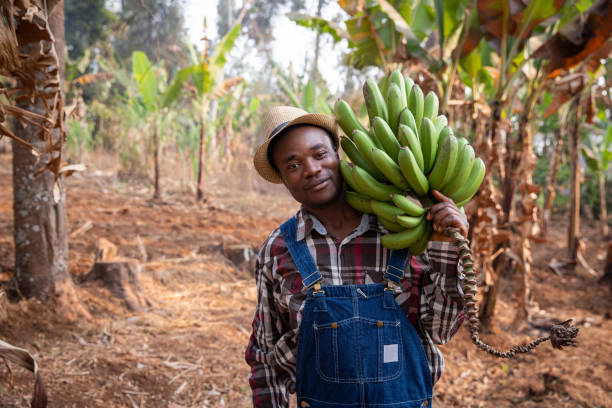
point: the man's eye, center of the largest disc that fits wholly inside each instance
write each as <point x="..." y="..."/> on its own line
<point x="321" y="154"/>
<point x="292" y="166"/>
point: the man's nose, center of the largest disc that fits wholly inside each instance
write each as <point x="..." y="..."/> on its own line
<point x="313" y="167"/>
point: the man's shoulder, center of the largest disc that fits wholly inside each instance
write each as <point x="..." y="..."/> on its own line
<point x="274" y="245"/>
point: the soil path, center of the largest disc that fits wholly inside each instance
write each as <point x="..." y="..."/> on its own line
<point x="187" y="350"/>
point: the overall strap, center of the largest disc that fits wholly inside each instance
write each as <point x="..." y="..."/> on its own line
<point x="300" y="254"/>
<point x="396" y="265"/>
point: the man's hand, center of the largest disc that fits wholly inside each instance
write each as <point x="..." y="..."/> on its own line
<point x="446" y="214"/>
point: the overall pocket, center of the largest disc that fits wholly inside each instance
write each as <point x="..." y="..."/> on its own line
<point x="358" y="350"/>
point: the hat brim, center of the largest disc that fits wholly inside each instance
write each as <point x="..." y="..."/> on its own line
<point x="260" y="160"/>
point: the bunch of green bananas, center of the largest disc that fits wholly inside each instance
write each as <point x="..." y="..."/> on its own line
<point x="408" y="151"/>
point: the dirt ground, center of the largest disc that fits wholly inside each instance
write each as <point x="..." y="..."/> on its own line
<point x="187" y="349"/>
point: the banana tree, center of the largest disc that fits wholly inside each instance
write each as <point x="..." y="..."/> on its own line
<point x="598" y="159"/>
<point x="235" y="113"/>
<point x="151" y="81"/>
<point x="379" y="33"/>
<point x="207" y="85"/>
<point x="522" y="71"/>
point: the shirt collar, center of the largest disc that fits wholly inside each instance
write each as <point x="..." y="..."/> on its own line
<point x="306" y="222"/>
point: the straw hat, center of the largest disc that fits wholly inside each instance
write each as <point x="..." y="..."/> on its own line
<point x="280" y="118"/>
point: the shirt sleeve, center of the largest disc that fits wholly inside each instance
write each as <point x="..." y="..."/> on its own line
<point x="441" y="301"/>
<point x="272" y="375"/>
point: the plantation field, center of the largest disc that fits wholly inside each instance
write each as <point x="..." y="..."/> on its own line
<point x="187" y="349"/>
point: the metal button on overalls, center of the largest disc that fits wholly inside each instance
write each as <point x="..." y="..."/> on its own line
<point x="356" y="347"/>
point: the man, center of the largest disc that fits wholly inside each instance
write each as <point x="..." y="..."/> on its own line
<point x="330" y="324"/>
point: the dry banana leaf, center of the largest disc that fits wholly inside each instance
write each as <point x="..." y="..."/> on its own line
<point x="29" y="60"/>
<point x="24" y="359"/>
<point x="578" y="39"/>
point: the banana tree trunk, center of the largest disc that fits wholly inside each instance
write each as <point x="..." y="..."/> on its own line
<point x="199" y="187"/>
<point x="528" y="220"/>
<point x="39" y="215"/>
<point x="201" y="153"/>
<point x="489" y="219"/>
<point x="574" y="144"/>
<point x="39" y="201"/>
<point x="551" y="180"/>
<point x="157" y="191"/>
<point x="603" y="212"/>
<point x="315" y="63"/>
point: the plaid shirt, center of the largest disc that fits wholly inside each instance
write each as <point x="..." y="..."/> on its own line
<point x="430" y="294"/>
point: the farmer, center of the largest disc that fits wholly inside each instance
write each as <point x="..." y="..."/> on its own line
<point x="331" y="323"/>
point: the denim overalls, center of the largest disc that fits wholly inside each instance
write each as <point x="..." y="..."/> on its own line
<point x="356" y="347"/>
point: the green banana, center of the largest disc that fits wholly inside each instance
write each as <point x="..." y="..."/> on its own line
<point x="390" y="225"/>
<point x="386" y="137"/>
<point x="369" y="186"/>
<point x="431" y="105"/>
<point x="406" y="118"/>
<point x="374" y="138"/>
<point x="359" y="202"/>
<point x="395" y="104"/>
<point x="464" y="165"/>
<point x="421" y="243"/>
<point x="461" y="142"/>
<point x="409" y="205"/>
<point x="346" y="118"/>
<point x="389" y="168"/>
<point x="415" y="103"/>
<point x="445" y="162"/>
<point x="404" y="239"/>
<point x="440" y="122"/>
<point x="443" y="133"/>
<point x="346" y="169"/>
<point x="412" y="172"/>
<point x="409" y="83"/>
<point x="364" y="145"/>
<point x="407" y="221"/>
<point x="429" y="144"/>
<point x="385" y="210"/>
<point x="396" y="78"/>
<point x="383" y="84"/>
<point x="471" y="185"/>
<point x="408" y="138"/>
<point x="352" y="151"/>
<point x="375" y="103"/>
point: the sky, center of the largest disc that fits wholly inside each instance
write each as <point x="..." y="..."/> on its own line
<point x="292" y="43"/>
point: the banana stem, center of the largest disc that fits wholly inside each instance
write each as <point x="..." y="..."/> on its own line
<point x="561" y="335"/>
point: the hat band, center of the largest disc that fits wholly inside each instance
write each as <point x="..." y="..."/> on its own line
<point x="276" y="129"/>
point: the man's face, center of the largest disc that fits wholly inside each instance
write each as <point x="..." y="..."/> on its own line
<point x="309" y="166"/>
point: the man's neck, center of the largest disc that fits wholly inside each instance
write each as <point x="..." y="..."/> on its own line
<point x="339" y="219"/>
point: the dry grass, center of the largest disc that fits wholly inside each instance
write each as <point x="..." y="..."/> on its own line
<point x="187" y="350"/>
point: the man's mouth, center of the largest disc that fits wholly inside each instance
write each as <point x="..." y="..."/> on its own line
<point x="317" y="185"/>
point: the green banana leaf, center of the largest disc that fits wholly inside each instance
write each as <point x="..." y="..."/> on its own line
<point x="146" y="79"/>
<point x="538" y="11"/>
<point x="308" y="97"/>
<point x="174" y="90"/>
<point x="416" y="32"/>
<point x="222" y="49"/>
<point x="321" y="25"/>
<point x="591" y="160"/>
<point x="423" y="19"/>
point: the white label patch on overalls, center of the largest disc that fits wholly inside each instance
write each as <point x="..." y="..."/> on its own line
<point x="390" y="353"/>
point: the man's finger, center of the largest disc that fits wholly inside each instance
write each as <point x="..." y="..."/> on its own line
<point x="440" y="196"/>
<point x="436" y="208"/>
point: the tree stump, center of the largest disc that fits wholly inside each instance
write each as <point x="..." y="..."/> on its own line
<point x="120" y="277"/>
<point x="3" y="306"/>
<point x="607" y="276"/>
<point x="241" y="255"/>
